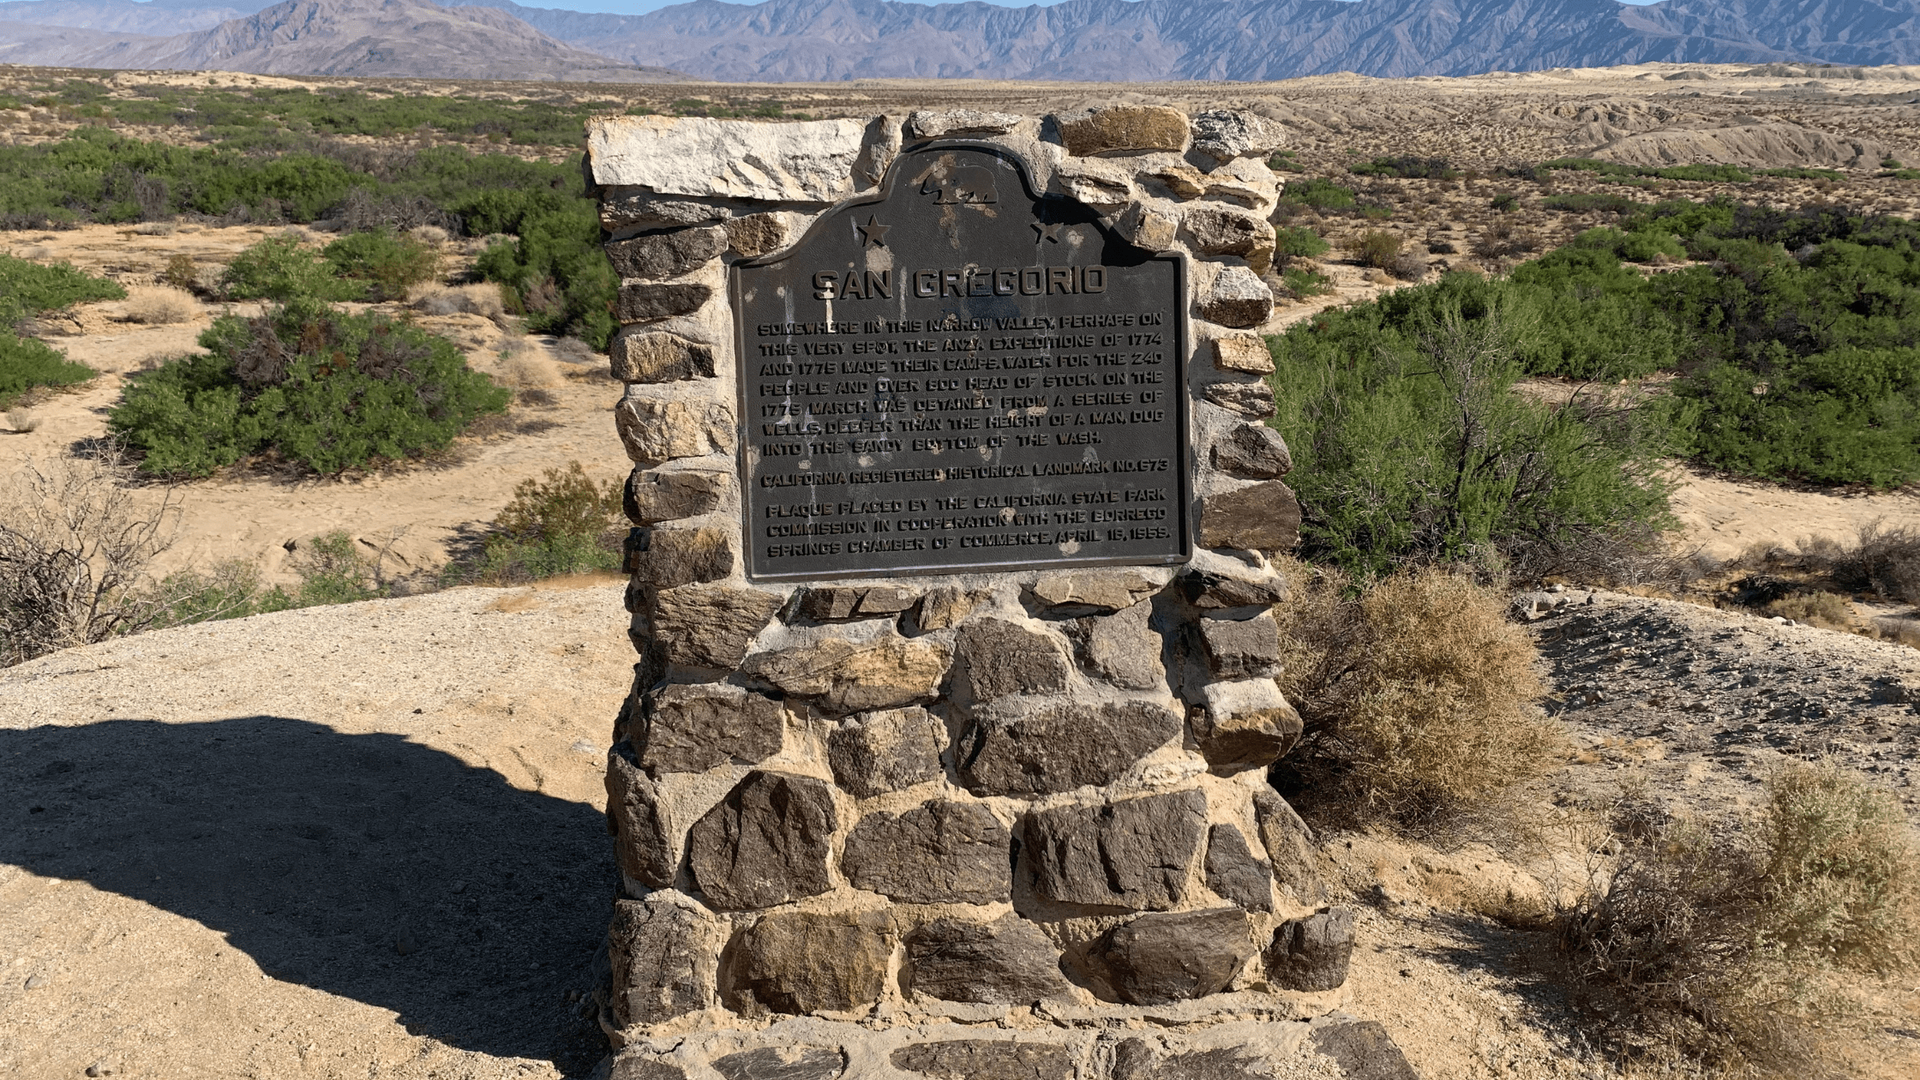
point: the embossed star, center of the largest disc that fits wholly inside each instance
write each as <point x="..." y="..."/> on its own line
<point x="873" y="233"/>
<point x="1046" y="232"/>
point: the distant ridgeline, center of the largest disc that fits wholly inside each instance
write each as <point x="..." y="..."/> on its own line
<point x="827" y="40"/>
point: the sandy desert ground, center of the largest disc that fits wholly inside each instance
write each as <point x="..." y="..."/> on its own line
<point x="365" y="841"/>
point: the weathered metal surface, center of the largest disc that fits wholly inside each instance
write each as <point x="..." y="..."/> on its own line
<point x="960" y="375"/>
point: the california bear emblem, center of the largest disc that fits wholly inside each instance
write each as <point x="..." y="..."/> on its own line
<point x="960" y="184"/>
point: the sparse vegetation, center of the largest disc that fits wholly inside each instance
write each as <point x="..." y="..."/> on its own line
<point x="1407" y="168"/>
<point x="386" y="263"/>
<point x="314" y="386"/>
<point x="1418" y="695"/>
<point x="563" y="523"/>
<point x="28" y="288"/>
<point x="1317" y="192"/>
<point x="1409" y="444"/>
<point x="1736" y="943"/>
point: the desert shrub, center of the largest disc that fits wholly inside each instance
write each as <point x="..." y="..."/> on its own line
<point x="478" y="299"/>
<point x="1503" y="239"/>
<point x="1409" y="444"/>
<point x="26" y="363"/>
<point x="1303" y="283"/>
<point x="284" y="268"/>
<point x="563" y="523"/>
<point x="1418" y="695"/>
<point x="1298" y="242"/>
<point x="1377" y="249"/>
<point x="1587" y="202"/>
<point x="388" y="263"/>
<point x="555" y="274"/>
<point x="1317" y="192"/>
<point x="1740" y="943"/>
<point x="1822" y="609"/>
<point x="33" y="287"/>
<point x="318" y="387"/>
<point x="159" y="306"/>
<point x="1283" y="161"/>
<point x="333" y="570"/>
<point x="1407" y="168"/>
<point x="1649" y="245"/>
<point x="1504" y="202"/>
<point x="74" y="543"/>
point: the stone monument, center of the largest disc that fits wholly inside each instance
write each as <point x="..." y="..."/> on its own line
<point x="946" y="751"/>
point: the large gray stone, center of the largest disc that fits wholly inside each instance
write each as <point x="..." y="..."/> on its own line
<point x="811" y="161"/>
<point x="890" y="750"/>
<point x="655" y="301"/>
<point x="709" y="626"/>
<point x="665" y="558"/>
<point x="943" y="852"/>
<point x="1252" y="452"/>
<point x="1313" y="953"/>
<point x="1237" y="298"/>
<point x="656" y="495"/>
<point x="766" y="843"/>
<point x="783" y="1063"/>
<point x="1242" y="648"/>
<point x="1262" y="516"/>
<point x="636" y="207"/>
<point x="1222" y="135"/>
<point x="1226" y="584"/>
<point x="939" y="124"/>
<point x="636" y="1066"/>
<point x="655" y="431"/>
<point x="1244" y="725"/>
<point x="1219" y="230"/>
<point x="999" y="658"/>
<point x="1250" y="400"/>
<point x="1290" y="846"/>
<point x="693" y="728"/>
<point x="1132" y="854"/>
<point x="809" y="962"/>
<point x="657" y="356"/>
<point x="664" y="954"/>
<point x="1121" y="648"/>
<point x="841" y="677"/>
<point x="641" y="840"/>
<point x="1135" y="1059"/>
<point x="1025" y="748"/>
<point x="1362" y="1048"/>
<point x="987" y="1059"/>
<point x="1173" y="956"/>
<point x="666" y="254"/>
<point x="1234" y="873"/>
<point x="1123" y="128"/>
<point x="1066" y="594"/>
<point x="1004" y="962"/>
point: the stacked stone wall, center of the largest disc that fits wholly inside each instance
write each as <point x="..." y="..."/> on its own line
<point x="1008" y="824"/>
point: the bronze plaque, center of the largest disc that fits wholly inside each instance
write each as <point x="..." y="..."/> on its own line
<point x="957" y="374"/>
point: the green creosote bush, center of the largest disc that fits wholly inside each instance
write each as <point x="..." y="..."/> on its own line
<point x="1303" y="283"/>
<point x="1410" y="445"/>
<point x="1643" y="246"/>
<point x="1585" y="202"/>
<point x="1743" y="944"/>
<point x="1504" y="201"/>
<point x="1407" y="168"/>
<point x="333" y="568"/>
<point x="388" y="263"/>
<point x="561" y="524"/>
<point x="1418" y="694"/>
<point x="316" y="386"/>
<point x="284" y="268"/>
<point x="1318" y="193"/>
<point x="29" y="288"/>
<point x="1298" y="242"/>
<point x="1378" y="249"/>
<point x="1283" y="161"/>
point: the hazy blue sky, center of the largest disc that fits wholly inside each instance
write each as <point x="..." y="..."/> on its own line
<point x="637" y="7"/>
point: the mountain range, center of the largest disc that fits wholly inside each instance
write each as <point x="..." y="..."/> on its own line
<point x="830" y="40"/>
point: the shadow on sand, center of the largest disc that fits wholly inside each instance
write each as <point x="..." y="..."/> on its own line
<point x="362" y="865"/>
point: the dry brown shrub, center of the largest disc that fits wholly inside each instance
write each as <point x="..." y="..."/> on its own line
<point x="159" y="305"/>
<point x="22" y="421"/>
<point x="74" y="544"/>
<point x="1746" y="946"/>
<point x="1419" y="695"/>
<point x="481" y="299"/>
<point x="1823" y="609"/>
<point x="1378" y="249"/>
